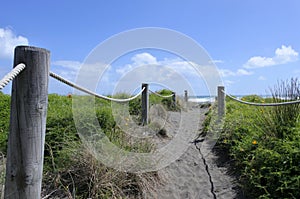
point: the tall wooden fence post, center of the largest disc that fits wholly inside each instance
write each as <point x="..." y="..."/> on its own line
<point x="186" y="96"/>
<point x="145" y="104"/>
<point x="221" y="101"/>
<point x="29" y="100"/>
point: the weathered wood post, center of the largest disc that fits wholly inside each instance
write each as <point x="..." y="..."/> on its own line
<point x="173" y="99"/>
<point x="221" y="101"/>
<point x="29" y="101"/>
<point x="186" y="96"/>
<point x="145" y="104"/>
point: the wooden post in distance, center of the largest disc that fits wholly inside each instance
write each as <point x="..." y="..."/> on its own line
<point x="221" y="101"/>
<point x="174" y="99"/>
<point x="186" y="96"/>
<point x="145" y="104"/>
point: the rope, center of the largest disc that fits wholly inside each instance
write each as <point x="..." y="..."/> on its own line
<point x="11" y="75"/>
<point x="262" y="104"/>
<point x="61" y="79"/>
<point x="167" y="96"/>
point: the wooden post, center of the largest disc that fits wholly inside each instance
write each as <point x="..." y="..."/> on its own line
<point x="145" y="104"/>
<point x="186" y="96"/>
<point x="221" y="101"/>
<point x="29" y="100"/>
<point x="174" y="99"/>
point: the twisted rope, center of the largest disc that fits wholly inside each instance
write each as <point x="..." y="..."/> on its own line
<point x="163" y="96"/>
<point x="11" y="75"/>
<point x="61" y="79"/>
<point x="262" y="104"/>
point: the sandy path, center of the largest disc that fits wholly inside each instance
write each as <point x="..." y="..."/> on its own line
<point x="192" y="175"/>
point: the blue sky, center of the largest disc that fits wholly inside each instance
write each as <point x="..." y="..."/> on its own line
<point x="254" y="43"/>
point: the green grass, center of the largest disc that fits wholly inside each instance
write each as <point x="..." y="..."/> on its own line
<point x="4" y="120"/>
<point x="166" y="102"/>
<point x="265" y="146"/>
<point x="69" y="168"/>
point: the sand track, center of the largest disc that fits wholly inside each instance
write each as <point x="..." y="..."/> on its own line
<point x="192" y="175"/>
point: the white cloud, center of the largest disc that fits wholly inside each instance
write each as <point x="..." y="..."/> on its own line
<point x="73" y="65"/>
<point x="8" y="41"/>
<point x="162" y="70"/>
<point x="262" y="78"/>
<point x="176" y="73"/>
<point x="143" y="59"/>
<point x="239" y="72"/>
<point x="226" y="72"/>
<point x="70" y="69"/>
<point x="283" y="55"/>
<point x="228" y="82"/>
<point x="180" y="66"/>
<point x="243" y="72"/>
<point x="124" y="69"/>
<point x="138" y="60"/>
<point x="86" y="74"/>
<point x="66" y="68"/>
<point x="177" y="66"/>
<point x="217" y="61"/>
<point x="258" y="62"/>
<point x="146" y="67"/>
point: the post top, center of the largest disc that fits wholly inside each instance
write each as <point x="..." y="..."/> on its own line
<point x="31" y="48"/>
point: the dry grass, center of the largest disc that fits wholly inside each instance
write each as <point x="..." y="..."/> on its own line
<point x="86" y="177"/>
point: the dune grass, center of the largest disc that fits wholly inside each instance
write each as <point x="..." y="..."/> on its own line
<point x="69" y="168"/>
<point x="264" y="143"/>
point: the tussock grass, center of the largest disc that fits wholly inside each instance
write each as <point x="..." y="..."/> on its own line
<point x="264" y="143"/>
<point x="70" y="170"/>
<point x="85" y="177"/>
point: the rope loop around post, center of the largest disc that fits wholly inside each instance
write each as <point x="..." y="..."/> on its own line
<point x="11" y="75"/>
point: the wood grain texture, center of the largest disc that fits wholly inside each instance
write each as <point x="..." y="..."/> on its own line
<point x="29" y="102"/>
